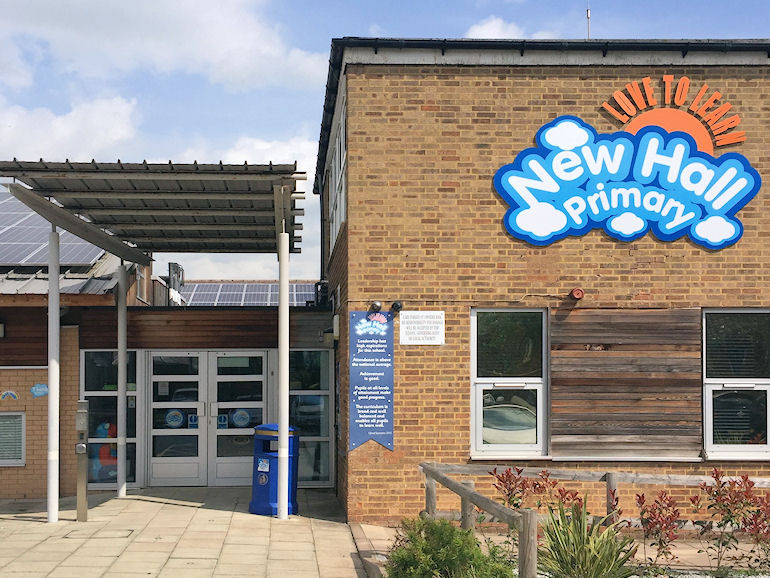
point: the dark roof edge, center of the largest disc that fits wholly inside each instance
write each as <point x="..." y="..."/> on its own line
<point x="339" y="44"/>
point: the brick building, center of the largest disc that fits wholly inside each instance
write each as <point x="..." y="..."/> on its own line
<point x="602" y="292"/>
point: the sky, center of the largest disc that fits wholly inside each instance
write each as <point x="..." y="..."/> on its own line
<point x="244" y="80"/>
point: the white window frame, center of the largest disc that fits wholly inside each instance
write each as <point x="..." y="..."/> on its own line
<point x="336" y="168"/>
<point x="329" y="394"/>
<point x="141" y="283"/>
<point x="711" y="384"/>
<point x="23" y="460"/>
<point x="479" y="385"/>
<point x="139" y="396"/>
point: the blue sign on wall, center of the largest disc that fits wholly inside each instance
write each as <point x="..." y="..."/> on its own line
<point x="371" y="378"/>
<point x="627" y="184"/>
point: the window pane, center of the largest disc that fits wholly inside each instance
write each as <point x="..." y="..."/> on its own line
<point x="235" y="446"/>
<point x="103" y="416"/>
<point x="239" y="391"/>
<point x="309" y="414"/>
<point x="239" y="417"/>
<point x="509" y="344"/>
<point x="239" y="365"/>
<point x="313" y="461"/>
<point x="174" y="446"/>
<point x="175" y="391"/>
<point x="101" y="371"/>
<point x="740" y="417"/>
<point x="510" y="416"/>
<point x="309" y="370"/>
<point x="737" y="345"/>
<point x="103" y="463"/>
<point x="172" y="365"/>
<point x="175" y="418"/>
<point x="11" y="436"/>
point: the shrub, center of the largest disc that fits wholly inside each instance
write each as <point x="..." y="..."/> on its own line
<point x="427" y="548"/>
<point x="660" y="521"/>
<point x="574" y="548"/>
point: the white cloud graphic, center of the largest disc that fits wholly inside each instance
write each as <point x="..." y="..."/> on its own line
<point x="541" y="220"/>
<point x="627" y="224"/>
<point x="566" y="135"/>
<point x="715" y="229"/>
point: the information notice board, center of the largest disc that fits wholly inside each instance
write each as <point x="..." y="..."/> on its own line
<point x="371" y="378"/>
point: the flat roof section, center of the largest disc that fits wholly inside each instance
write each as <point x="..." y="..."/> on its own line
<point x="152" y="207"/>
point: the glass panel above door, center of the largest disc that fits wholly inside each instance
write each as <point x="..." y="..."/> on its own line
<point x="239" y="365"/>
<point x="174" y="365"/>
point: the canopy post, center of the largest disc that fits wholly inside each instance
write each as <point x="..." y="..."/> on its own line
<point x="283" y="374"/>
<point x="120" y="298"/>
<point x="54" y="327"/>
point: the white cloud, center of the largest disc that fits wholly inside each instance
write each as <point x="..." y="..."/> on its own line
<point x="715" y="230"/>
<point x="541" y="220"/>
<point x="305" y="265"/>
<point x="231" y="42"/>
<point x="627" y="224"/>
<point x="495" y="27"/>
<point x="90" y="129"/>
<point x="566" y="135"/>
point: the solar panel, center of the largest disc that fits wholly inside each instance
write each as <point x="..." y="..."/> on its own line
<point x="253" y="294"/>
<point x="24" y="238"/>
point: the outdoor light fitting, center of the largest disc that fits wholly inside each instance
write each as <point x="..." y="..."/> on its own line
<point x="396" y="307"/>
<point x="375" y="307"/>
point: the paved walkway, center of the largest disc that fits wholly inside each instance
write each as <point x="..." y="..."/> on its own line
<point x="178" y="532"/>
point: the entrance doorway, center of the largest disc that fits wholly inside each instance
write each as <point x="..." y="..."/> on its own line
<point x="203" y="410"/>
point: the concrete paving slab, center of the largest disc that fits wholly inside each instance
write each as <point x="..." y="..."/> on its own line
<point x="76" y="572"/>
<point x="195" y="531"/>
<point x="242" y="570"/>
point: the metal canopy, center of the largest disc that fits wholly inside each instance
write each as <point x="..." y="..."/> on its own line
<point x="157" y="207"/>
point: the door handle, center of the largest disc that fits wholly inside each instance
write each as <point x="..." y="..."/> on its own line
<point x="203" y="410"/>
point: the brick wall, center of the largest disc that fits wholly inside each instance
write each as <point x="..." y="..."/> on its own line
<point x="29" y="481"/>
<point x="425" y="227"/>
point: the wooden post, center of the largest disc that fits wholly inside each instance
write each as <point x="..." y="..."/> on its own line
<point x="528" y="544"/>
<point x="612" y="487"/>
<point x="430" y="495"/>
<point x="467" y="519"/>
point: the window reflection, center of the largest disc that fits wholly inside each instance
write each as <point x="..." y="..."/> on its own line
<point x="740" y="417"/>
<point x="510" y="416"/>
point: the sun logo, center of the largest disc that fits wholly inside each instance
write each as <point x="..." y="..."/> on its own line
<point x="704" y="118"/>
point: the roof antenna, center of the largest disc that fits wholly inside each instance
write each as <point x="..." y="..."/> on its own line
<point x="588" y="19"/>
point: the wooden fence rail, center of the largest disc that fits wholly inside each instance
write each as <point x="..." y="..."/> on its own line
<point x="525" y="520"/>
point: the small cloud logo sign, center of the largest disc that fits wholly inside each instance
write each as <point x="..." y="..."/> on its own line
<point x="715" y="230"/>
<point x="628" y="185"/>
<point x="627" y="224"/>
<point x="541" y="220"/>
<point x="566" y="135"/>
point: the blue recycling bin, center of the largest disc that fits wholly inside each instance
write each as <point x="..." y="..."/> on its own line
<point x="264" y="485"/>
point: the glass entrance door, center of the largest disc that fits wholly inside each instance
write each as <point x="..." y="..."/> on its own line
<point x="178" y="419"/>
<point x="236" y="396"/>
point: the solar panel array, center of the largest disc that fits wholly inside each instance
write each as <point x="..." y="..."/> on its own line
<point x="255" y="293"/>
<point x="24" y="238"/>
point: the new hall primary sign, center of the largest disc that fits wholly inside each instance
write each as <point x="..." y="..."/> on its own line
<point x="658" y="175"/>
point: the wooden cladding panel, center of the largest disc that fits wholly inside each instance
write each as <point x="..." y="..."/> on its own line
<point x="626" y="383"/>
<point x="26" y="336"/>
<point x="199" y="328"/>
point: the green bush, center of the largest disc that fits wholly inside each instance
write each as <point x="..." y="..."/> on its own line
<point x="427" y="548"/>
<point x="573" y="548"/>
